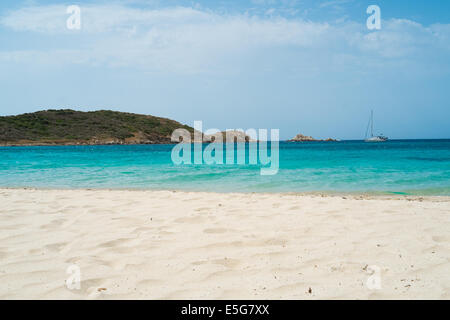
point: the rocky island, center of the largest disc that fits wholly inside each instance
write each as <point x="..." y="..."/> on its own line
<point x="300" y="138"/>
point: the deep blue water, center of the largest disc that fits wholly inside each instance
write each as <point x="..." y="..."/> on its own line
<point x="420" y="167"/>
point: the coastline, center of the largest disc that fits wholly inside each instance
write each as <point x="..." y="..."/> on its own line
<point x="350" y="195"/>
<point x="134" y="244"/>
<point x="126" y="143"/>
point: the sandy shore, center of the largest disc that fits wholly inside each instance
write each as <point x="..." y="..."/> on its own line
<point x="177" y="245"/>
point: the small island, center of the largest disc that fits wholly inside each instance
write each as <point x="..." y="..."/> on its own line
<point x="301" y="138"/>
<point x="70" y="127"/>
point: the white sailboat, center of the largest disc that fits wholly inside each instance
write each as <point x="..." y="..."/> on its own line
<point x="372" y="138"/>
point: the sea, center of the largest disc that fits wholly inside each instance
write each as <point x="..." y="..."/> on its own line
<point x="407" y="167"/>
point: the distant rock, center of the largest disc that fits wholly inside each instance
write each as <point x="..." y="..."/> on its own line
<point x="236" y="135"/>
<point x="300" y="138"/>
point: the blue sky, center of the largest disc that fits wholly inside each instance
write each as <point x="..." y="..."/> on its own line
<point x="298" y="65"/>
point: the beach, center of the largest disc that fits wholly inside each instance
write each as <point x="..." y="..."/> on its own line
<point x="201" y="245"/>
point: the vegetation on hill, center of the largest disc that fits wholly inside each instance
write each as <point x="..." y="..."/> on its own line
<point x="75" y="127"/>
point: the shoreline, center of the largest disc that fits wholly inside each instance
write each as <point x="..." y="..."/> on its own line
<point x="357" y="195"/>
<point x="87" y="144"/>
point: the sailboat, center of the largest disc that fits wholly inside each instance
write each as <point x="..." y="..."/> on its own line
<point x="379" y="138"/>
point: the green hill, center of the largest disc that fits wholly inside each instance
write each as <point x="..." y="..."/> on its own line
<point x="69" y="127"/>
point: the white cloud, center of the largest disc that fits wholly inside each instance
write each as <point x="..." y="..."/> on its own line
<point x="189" y="40"/>
<point x="97" y="19"/>
<point x="333" y="3"/>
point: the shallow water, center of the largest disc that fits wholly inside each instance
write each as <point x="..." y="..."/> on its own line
<point x="420" y="167"/>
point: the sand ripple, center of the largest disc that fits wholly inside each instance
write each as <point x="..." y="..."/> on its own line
<point x="176" y="245"/>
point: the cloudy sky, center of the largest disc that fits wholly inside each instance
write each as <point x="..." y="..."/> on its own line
<point x="306" y="66"/>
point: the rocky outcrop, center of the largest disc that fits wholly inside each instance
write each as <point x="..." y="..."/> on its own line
<point x="233" y="135"/>
<point x="300" y="138"/>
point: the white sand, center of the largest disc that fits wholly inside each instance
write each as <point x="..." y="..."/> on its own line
<point x="176" y="245"/>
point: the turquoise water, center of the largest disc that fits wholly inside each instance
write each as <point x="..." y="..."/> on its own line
<point x="420" y="167"/>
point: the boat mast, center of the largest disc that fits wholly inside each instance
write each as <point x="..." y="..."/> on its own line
<point x="371" y="123"/>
